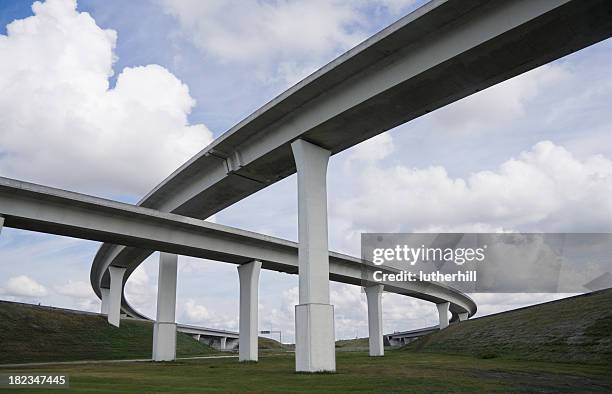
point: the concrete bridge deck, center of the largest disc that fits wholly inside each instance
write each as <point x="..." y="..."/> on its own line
<point x="29" y="206"/>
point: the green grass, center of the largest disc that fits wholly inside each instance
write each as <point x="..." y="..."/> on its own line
<point x="38" y="334"/>
<point x="398" y="371"/>
<point x="577" y="329"/>
<point x="269" y="344"/>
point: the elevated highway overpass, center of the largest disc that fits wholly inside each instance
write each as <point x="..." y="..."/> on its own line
<point x="33" y="207"/>
<point x="434" y="56"/>
<point x="440" y="53"/>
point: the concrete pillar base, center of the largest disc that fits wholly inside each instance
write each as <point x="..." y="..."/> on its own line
<point x="443" y="314"/>
<point x="375" y="335"/>
<point x="315" y="340"/>
<point x="164" y="341"/>
<point x="105" y="293"/>
<point x="248" y="323"/>
<point x="164" y="330"/>
<point x="463" y="316"/>
<point x="115" y="294"/>
<point x="314" y="317"/>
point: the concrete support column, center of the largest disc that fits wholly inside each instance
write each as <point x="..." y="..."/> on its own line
<point x="222" y="343"/>
<point x="1" y="223"/>
<point x="115" y="293"/>
<point x="105" y="293"/>
<point x="374" y="296"/>
<point x="463" y="316"/>
<point x="164" y="329"/>
<point x="248" y="323"/>
<point x="443" y="314"/>
<point x="314" y="316"/>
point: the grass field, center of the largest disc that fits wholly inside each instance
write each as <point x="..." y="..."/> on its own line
<point x="398" y="371"/>
<point x="563" y="346"/>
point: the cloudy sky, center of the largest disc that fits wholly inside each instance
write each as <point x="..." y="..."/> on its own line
<point x="109" y="97"/>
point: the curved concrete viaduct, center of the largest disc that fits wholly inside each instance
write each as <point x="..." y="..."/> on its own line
<point x="440" y="53"/>
<point x="434" y="56"/>
<point x="39" y="208"/>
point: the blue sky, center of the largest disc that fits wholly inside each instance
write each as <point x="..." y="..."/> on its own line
<point x="531" y="154"/>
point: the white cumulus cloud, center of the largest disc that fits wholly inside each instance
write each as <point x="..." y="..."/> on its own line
<point x="195" y="313"/>
<point x="284" y="40"/>
<point x="61" y="122"/>
<point x="375" y="149"/>
<point x="76" y="289"/>
<point x="23" y="286"/>
<point x="141" y="290"/>
<point x="543" y="189"/>
<point x="238" y="30"/>
<point x="501" y="104"/>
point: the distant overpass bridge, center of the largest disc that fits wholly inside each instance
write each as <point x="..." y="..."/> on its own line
<point x="402" y="338"/>
<point x="219" y="339"/>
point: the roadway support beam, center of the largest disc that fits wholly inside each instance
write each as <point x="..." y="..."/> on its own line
<point x="105" y="293"/>
<point x="443" y="314"/>
<point x="463" y="316"/>
<point x="115" y="293"/>
<point x="248" y="324"/>
<point x="314" y="316"/>
<point x="164" y="329"/>
<point x="374" y="296"/>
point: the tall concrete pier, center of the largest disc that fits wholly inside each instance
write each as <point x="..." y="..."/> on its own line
<point x="314" y="316"/>
<point x="164" y="329"/>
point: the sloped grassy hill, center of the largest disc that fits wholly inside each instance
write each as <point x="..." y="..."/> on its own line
<point x="576" y="329"/>
<point x="269" y="344"/>
<point x="30" y="333"/>
<point x="357" y="344"/>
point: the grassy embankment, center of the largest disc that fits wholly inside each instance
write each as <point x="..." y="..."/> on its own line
<point x="576" y="329"/>
<point x="39" y="334"/>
